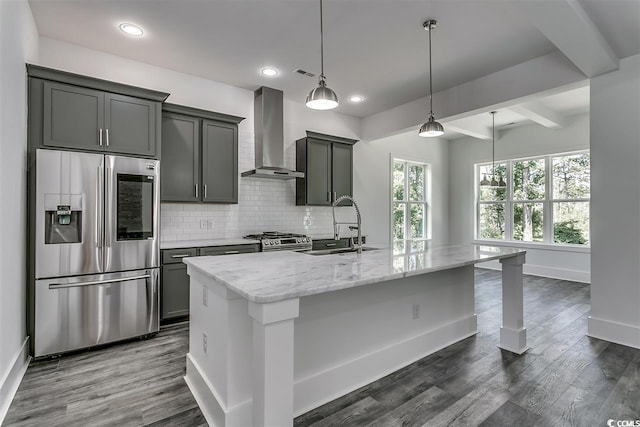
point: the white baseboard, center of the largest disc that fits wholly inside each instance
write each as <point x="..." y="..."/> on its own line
<point x="542" y="271"/>
<point x="323" y="387"/>
<point x="11" y="381"/>
<point x="211" y="406"/>
<point x="619" y="333"/>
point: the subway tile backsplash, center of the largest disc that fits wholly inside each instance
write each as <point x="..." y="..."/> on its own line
<point x="263" y="205"/>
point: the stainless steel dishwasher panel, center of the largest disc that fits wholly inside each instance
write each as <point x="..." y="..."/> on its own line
<point x="77" y="312"/>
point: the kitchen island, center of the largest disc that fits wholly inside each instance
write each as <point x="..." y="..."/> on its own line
<point x="273" y="335"/>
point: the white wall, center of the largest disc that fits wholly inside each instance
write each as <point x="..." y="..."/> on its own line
<point x="18" y="44"/>
<point x="372" y="182"/>
<point x="615" y="204"/>
<point x="517" y="142"/>
<point x="263" y="204"/>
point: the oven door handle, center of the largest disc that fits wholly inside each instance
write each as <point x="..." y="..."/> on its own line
<point x="97" y="282"/>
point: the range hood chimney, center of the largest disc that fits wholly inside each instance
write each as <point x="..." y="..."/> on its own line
<point x="269" y="136"/>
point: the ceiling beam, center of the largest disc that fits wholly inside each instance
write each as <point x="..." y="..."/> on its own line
<point x="542" y="76"/>
<point x="567" y="25"/>
<point x="469" y="129"/>
<point x="539" y="114"/>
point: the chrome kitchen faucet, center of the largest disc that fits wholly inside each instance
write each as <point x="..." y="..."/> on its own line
<point x="358" y="224"/>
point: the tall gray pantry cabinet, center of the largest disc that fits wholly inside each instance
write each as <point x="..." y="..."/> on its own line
<point x="327" y="162"/>
<point x="92" y="210"/>
<point x="201" y="148"/>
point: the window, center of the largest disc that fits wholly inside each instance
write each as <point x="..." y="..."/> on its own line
<point x="545" y="200"/>
<point x="410" y="209"/>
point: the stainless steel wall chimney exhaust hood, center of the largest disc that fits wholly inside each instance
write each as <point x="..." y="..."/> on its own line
<point x="269" y="136"/>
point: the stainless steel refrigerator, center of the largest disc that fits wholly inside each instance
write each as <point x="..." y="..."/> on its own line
<point x="96" y="250"/>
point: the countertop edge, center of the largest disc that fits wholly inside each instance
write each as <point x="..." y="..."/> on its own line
<point x="345" y="285"/>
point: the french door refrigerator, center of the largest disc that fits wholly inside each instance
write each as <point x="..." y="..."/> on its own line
<point x="96" y="250"/>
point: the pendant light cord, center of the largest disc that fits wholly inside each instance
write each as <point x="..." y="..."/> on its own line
<point x="493" y="144"/>
<point x="430" y="77"/>
<point x="321" y="46"/>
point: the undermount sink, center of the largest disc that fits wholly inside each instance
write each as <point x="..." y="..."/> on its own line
<point x="338" y="251"/>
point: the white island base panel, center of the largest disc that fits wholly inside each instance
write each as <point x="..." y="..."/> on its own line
<point x="336" y="342"/>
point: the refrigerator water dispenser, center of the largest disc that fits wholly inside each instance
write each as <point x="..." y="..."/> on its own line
<point x="63" y="218"/>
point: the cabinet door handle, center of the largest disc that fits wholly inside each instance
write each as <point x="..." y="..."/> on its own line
<point x="328" y="196"/>
<point x="205" y="191"/>
<point x="330" y="245"/>
<point x="180" y="255"/>
<point x="100" y="137"/>
<point x="196" y="190"/>
<point x="107" y="137"/>
<point x="335" y="196"/>
<point x="231" y="252"/>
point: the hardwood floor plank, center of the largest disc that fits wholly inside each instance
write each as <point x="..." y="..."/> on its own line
<point x="360" y="413"/>
<point x="624" y="401"/>
<point x="189" y="418"/>
<point x="510" y="414"/>
<point x="417" y="410"/>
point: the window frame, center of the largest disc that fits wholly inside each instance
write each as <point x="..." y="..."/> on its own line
<point x="548" y="204"/>
<point x="425" y="202"/>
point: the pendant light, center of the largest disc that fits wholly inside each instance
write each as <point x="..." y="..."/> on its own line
<point x="431" y="128"/>
<point x="322" y="98"/>
<point x="493" y="183"/>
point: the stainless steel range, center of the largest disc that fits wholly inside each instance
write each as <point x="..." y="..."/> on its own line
<point x="277" y="241"/>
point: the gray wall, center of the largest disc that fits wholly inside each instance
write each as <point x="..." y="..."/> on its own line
<point x="18" y="44"/>
<point x="615" y="204"/>
<point x="517" y="142"/>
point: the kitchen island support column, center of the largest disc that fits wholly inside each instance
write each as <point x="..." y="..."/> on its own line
<point x="273" y="362"/>
<point x="513" y="334"/>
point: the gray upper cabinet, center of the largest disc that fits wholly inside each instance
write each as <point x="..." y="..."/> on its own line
<point x="220" y="162"/>
<point x="180" y="177"/>
<point x="203" y="148"/>
<point x="130" y="125"/>
<point x="72" y="116"/>
<point x="327" y="162"/>
<point x="77" y="112"/>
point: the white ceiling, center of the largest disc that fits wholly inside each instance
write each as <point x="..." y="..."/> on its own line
<point x="374" y="48"/>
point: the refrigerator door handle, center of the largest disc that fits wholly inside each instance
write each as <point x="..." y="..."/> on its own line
<point x="110" y="201"/>
<point x="100" y="208"/>
<point x="97" y="282"/>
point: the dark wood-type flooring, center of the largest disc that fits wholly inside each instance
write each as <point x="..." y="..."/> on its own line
<point x="565" y="379"/>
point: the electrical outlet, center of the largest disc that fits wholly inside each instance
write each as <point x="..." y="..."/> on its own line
<point x="415" y="309"/>
<point x="204" y="342"/>
<point x="203" y="224"/>
<point x="209" y="224"/>
<point x="205" y="296"/>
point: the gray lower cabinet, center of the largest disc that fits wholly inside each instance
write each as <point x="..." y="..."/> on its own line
<point x="174" y="284"/>
<point x="327" y="162"/>
<point x="203" y="150"/>
<point x="82" y="113"/>
<point x="174" y="280"/>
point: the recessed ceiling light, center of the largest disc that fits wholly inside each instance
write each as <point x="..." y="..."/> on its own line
<point x="356" y="98"/>
<point x="269" y="72"/>
<point x="131" y="29"/>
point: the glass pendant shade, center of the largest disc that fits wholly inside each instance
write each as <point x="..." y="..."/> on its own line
<point x="485" y="182"/>
<point x="431" y="129"/>
<point x="494" y="183"/>
<point x="322" y="98"/>
<point x="502" y="182"/>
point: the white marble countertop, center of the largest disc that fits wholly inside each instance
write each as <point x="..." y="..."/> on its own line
<point x="201" y="243"/>
<point x="275" y="276"/>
